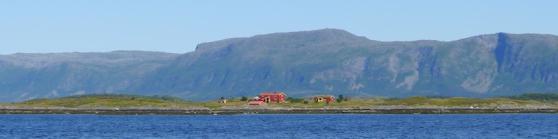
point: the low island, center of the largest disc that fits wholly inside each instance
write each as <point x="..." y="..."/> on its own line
<point x="132" y="104"/>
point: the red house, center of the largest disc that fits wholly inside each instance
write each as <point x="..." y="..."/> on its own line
<point x="272" y="97"/>
<point x="325" y="98"/>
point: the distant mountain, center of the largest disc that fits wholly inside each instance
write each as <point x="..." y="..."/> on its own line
<point x="327" y="61"/>
<point x="27" y="76"/>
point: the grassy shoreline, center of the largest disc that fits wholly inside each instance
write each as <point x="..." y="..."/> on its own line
<point x="130" y="104"/>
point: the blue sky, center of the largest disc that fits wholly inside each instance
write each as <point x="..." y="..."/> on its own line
<point x="179" y="25"/>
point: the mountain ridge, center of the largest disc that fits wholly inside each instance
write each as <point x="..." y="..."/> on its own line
<point x="302" y="63"/>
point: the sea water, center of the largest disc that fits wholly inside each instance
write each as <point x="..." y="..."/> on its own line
<point x="281" y="126"/>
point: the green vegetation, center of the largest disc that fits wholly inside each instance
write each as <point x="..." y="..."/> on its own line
<point x="131" y="101"/>
<point x="424" y="101"/>
<point x="295" y="100"/>
<point x="341" y="98"/>
<point x="106" y="100"/>
<point x="535" y="96"/>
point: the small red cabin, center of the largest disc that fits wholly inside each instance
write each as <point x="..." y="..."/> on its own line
<point x="272" y="97"/>
<point x="326" y="99"/>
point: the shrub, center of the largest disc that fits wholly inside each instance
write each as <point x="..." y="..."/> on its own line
<point x="340" y="98"/>
<point x="295" y="100"/>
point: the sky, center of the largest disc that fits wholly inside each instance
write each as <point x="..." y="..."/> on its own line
<point x="177" y="26"/>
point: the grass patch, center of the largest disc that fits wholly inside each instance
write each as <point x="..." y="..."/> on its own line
<point x="133" y="101"/>
<point x="536" y="96"/>
<point x="108" y="101"/>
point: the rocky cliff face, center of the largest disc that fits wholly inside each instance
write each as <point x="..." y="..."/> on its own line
<point x="306" y="63"/>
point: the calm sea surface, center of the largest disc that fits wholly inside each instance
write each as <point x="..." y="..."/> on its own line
<point x="281" y="126"/>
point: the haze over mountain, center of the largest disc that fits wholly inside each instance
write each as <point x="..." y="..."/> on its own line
<point x="327" y="61"/>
